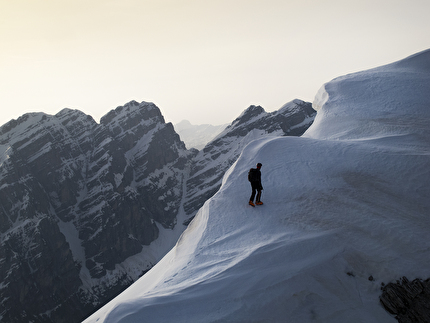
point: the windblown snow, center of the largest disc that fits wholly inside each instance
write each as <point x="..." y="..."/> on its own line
<point x="347" y="201"/>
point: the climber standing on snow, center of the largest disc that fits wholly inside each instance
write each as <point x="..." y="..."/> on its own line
<point x="254" y="176"/>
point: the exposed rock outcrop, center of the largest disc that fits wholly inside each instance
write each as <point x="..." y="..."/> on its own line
<point x="408" y="300"/>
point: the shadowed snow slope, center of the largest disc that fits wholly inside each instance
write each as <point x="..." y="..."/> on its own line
<point x="346" y="201"/>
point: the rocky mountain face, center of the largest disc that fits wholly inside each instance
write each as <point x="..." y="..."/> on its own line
<point x="77" y="199"/>
<point x="80" y="199"/>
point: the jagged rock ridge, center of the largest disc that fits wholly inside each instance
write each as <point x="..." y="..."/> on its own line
<point x="103" y="187"/>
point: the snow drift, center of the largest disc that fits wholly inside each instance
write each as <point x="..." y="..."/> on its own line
<point x="346" y="209"/>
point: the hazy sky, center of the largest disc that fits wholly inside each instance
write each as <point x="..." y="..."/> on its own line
<point x="201" y="60"/>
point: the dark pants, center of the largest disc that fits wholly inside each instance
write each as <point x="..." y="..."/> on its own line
<point x="256" y="188"/>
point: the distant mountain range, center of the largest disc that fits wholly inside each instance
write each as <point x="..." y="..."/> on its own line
<point x="197" y="136"/>
<point x="88" y="208"/>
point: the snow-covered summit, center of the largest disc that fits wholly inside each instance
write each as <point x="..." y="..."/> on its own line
<point x="346" y="208"/>
<point x="388" y="100"/>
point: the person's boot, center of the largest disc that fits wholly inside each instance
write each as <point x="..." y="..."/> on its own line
<point x="251" y="203"/>
<point x="259" y="203"/>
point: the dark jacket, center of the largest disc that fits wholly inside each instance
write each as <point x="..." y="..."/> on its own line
<point x="255" y="178"/>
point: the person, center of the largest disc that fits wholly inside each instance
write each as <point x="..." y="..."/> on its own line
<point x="254" y="176"/>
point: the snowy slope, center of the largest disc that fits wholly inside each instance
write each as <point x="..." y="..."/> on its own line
<point x="345" y="202"/>
<point x="211" y="163"/>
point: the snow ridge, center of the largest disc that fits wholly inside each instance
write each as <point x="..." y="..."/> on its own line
<point x="346" y="209"/>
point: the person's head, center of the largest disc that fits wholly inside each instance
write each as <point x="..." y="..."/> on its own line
<point x="259" y="165"/>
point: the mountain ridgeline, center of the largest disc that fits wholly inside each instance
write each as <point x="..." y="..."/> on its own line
<point x="81" y="202"/>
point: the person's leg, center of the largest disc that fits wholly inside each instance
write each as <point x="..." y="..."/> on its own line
<point x="254" y="190"/>
<point x="258" y="196"/>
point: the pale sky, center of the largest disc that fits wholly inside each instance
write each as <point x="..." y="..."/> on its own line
<point x="201" y="60"/>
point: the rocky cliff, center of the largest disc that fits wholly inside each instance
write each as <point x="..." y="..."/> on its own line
<point x="77" y="199"/>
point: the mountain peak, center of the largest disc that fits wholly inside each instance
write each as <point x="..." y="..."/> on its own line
<point x="84" y="197"/>
<point x="250" y="113"/>
<point x="183" y="124"/>
<point x="133" y="110"/>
